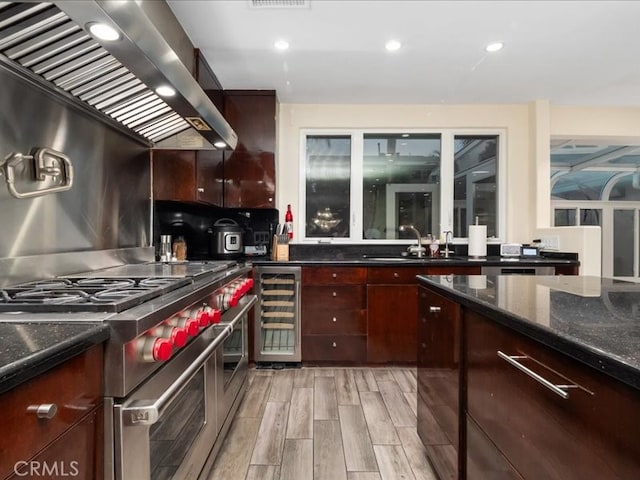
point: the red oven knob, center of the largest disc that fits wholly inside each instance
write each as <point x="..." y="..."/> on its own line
<point x="215" y="315"/>
<point x="161" y="349"/>
<point x="177" y="335"/>
<point x="190" y="325"/>
<point x="250" y="283"/>
<point x="155" y="349"/>
<point x="202" y="317"/>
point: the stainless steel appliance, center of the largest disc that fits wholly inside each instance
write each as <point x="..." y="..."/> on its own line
<point x="277" y="320"/>
<point x="227" y="238"/>
<point x="518" y="270"/>
<point x="176" y="362"/>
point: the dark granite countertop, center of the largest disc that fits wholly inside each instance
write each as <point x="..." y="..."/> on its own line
<point x="30" y="349"/>
<point x="593" y="320"/>
<point x="382" y="260"/>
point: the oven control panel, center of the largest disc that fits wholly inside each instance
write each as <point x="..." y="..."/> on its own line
<point x="159" y="343"/>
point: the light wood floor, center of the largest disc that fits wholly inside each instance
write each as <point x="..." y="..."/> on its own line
<point x="325" y="424"/>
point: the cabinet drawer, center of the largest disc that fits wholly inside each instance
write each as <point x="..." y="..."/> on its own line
<point x="75" y="387"/>
<point x="343" y="297"/>
<point x="597" y="423"/>
<point x="394" y="275"/>
<point x="333" y="275"/>
<point x="334" y="348"/>
<point x="334" y="322"/>
<point x="484" y="460"/>
<point x="75" y="454"/>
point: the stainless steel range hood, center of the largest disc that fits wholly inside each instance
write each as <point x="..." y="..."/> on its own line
<point x="117" y="78"/>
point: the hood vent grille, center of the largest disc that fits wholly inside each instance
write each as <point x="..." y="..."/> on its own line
<point x="43" y="39"/>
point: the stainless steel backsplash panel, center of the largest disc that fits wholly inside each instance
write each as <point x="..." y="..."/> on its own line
<point x="109" y="205"/>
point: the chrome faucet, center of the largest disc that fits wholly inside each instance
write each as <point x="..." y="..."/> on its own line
<point x="419" y="249"/>
<point x="446" y="243"/>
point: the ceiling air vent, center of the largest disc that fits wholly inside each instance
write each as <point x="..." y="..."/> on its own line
<point x="279" y="3"/>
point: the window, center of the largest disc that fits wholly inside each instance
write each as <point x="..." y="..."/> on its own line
<point x="599" y="184"/>
<point x="361" y="186"/>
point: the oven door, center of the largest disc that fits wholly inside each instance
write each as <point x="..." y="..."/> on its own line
<point x="166" y="428"/>
<point x="232" y="373"/>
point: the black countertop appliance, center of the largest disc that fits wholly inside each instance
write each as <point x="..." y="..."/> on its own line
<point x="204" y="226"/>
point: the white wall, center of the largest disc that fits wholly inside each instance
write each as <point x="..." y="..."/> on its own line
<point x="528" y="128"/>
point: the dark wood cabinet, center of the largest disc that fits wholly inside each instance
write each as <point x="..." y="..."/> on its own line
<point x="483" y="459"/>
<point x="242" y="178"/>
<point x="590" y="431"/>
<point x="333" y="319"/>
<point x="440" y="406"/>
<point x="392" y="309"/>
<point x="188" y="176"/>
<point x="73" y="433"/>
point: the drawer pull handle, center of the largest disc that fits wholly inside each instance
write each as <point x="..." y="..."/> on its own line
<point x="334" y="319"/>
<point x="334" y="345"/>
<point x="434" y="309"/>
<point x="396" y="274"/>
<point x="334" y="294"/>
<point x="334" y="275"/>
<point x="46" y="410"/>
<point x="557" y="389"/>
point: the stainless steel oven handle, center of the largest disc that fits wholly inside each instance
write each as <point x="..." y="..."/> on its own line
<point x="148" y="412"/>
<point x="247" y="302"/>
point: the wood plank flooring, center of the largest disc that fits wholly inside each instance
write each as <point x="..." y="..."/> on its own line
<point x="325" y="424"/>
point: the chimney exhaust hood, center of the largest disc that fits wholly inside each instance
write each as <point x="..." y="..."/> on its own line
<point x="51" y="43"/>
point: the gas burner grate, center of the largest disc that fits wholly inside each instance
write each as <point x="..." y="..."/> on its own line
<point x="85" y="294"/>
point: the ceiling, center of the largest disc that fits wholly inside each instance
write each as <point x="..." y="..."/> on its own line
<point x="568" y="52"/>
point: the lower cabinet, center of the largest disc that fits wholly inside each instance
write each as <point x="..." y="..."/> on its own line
<point x="440" y="407"/>
<point x="586" y="430"/>
<point x="334" y="316"/>
<point x="483" y="459"/>
<point x="67" y="434"/>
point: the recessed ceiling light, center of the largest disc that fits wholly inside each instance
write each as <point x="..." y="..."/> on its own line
<point x="393" y="45"/>
<point x="165" y="91"/>
<point x="494" y="47"/>
<point x="405" y="135"/>
<point x="103" y="31"/>
<point x="281" y="45"/>
<point x="220" y="145"/>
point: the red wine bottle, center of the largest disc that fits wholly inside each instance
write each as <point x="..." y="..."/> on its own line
<point x="288" y="220"/>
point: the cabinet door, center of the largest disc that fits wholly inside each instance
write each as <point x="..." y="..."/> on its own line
<point x="75" y="454"/>
<point x="439" y="371"/>
<point x="249" y="179"/>
<point x="75" y="388"/>
<point x="484" y="460"/>
<point x="210" y="176"/>
<point x="591" y="432"/>
<point x="252" y="115"/>
<point x="391" y="323"/>
<point x="174" y="175"/>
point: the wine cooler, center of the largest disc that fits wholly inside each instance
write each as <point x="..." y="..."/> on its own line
<point x="277" y="315"/>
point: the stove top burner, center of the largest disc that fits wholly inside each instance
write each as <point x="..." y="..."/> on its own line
<point x="85" y="294"/>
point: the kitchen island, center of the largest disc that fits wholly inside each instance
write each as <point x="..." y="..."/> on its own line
<point x="543" y="373"/>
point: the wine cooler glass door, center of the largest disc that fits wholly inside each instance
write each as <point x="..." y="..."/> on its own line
<point x="278" y="335"/>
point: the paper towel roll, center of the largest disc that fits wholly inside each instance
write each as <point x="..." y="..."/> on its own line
<point x="477" y="282"/>
<point x="477" y="240"/>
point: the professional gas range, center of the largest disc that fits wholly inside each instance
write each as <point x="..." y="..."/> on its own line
<point x="176" y="359"/>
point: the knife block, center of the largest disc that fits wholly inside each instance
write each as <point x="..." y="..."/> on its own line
<point x="280" y="250"/>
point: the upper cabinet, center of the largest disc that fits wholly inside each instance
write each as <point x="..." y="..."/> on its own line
<point x="240" y="178"/>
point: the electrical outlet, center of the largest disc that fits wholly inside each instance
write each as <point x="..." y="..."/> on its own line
<point x="261" y="238"/>
<point x="550" y="243"/>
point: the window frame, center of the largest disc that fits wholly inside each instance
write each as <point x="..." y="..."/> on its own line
<point x="447" y="136"/>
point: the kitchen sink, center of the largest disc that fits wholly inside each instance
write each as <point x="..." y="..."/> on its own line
<point x="414" y="259"/>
